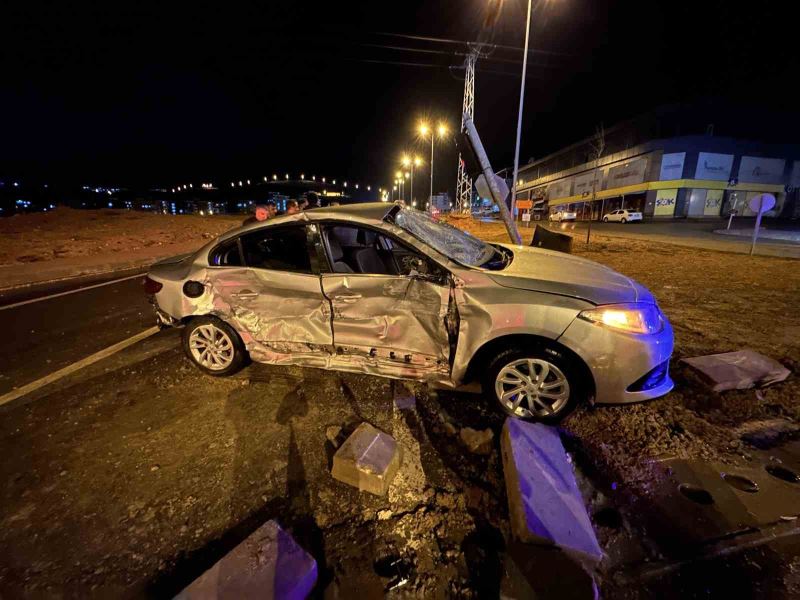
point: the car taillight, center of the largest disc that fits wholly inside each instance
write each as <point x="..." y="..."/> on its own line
<point x="152" y="286"/>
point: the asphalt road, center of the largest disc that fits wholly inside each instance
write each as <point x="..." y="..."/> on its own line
<point x="693" y="234"/>
<point x="51" y="333"/>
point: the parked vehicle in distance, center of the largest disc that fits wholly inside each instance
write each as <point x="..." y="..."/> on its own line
<point x="386" y="290"/>
<point x="622" y="216"/>
<point x="563" y="215"/>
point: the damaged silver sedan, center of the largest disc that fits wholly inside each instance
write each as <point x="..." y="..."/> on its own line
<point x="386" y="290"/>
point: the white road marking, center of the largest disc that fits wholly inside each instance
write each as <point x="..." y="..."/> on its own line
<point x="75" y="291"/>
<point x="85" y="362"/>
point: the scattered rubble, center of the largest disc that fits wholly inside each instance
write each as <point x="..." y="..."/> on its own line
<point x="332" y="433"/>
<point x="368" y="460"/>
<point x="477" y="442"/>
<point x="268" y="564"/>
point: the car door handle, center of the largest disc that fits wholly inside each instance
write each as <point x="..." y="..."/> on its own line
<point x="245" y="294"/>
<point x="347" y="298"/>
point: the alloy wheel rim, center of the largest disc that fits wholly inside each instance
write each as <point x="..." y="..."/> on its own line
<point x="531" y="387"/>
<point x="211" y="347"/>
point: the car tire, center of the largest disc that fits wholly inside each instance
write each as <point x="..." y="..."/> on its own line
<point x="605" y="219"/>
<point x="213" y="346"/>
<point x="623" y="220"/>
<point x="515" y="364"/>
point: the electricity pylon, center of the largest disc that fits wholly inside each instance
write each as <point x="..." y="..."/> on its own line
<point x="464" y="183"/>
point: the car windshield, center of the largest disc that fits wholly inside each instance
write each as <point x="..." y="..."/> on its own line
<point x="454" y="243"/>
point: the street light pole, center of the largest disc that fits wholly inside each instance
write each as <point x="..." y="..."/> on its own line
<point x="519" y="117"/>
<point x="430" y="198"/>
<point x="411" y="192"/>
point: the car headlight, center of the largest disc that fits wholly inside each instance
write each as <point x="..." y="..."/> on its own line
<point x="631" y="318"/>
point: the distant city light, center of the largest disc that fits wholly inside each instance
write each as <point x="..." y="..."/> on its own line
<point x="274" y="177"/>
<point x="287" y="176"/>
<point x="248" y="182"/>
<point x="240" y="184"/>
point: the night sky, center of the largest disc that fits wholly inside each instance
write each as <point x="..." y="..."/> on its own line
<point x="109" y="93"/>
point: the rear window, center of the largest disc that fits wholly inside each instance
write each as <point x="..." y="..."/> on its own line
<point x="277" y="249"/>
<point x="226" y="255"/>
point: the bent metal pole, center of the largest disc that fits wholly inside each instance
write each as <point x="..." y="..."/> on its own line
<point x="486" y="167"/>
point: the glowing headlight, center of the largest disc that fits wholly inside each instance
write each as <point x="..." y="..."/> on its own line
<point x="631" y="318"/>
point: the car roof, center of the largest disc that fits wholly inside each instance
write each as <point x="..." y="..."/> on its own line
<point x="363" y="210"/>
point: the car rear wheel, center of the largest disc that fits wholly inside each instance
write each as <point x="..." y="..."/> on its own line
<point x="213" y="346"/>
<point x="534" y="384"/>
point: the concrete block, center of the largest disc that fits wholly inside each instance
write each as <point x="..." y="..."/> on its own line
<point x="545" y="505"/>
<point x="268" y="564"/>
<point x="368" y="460"/>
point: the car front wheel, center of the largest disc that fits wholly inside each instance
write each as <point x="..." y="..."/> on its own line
<point x="213" y="346"/>
<point x="605" y="219"/>
<point x="536" y="384"/>
<point x="624" y="220"/>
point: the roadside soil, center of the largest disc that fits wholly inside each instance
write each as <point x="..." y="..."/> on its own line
<point x="130" y="483"/>
<point x="68" y="241"/>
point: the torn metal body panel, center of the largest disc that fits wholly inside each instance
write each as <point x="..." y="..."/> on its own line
<point x="396" y="318"/>
<point x="385" y="290"/>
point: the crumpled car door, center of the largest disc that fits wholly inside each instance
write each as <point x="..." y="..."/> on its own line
<point x="282" y="317"/>
<point x="396" y="321"/>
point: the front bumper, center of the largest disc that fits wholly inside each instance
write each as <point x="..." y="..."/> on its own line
<point x="619" y="360"/>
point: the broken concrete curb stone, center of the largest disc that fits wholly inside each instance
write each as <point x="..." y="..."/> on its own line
<point x="477" y="442"/>
<point x="544" y="503"/>
<point x="368" y="460"/>
<point x="268" y="564"/>
<point x="738" y="370"/>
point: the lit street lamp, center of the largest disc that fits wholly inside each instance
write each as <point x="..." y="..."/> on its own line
<point x="424" y="131"/>
<point x="412" y="162"/>
<point x="399" y="182"/>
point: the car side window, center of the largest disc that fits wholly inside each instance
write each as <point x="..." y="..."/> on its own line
<point x="354" y="249"/>
<point x="277" y="249"/>
<point x="226" y="255"/>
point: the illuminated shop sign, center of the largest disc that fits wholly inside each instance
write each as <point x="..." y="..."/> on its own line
<point x="672" y="166"/>
<point x="716" y="167"/>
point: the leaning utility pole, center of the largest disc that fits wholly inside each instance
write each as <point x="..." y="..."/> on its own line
<point x="464" y="184"/>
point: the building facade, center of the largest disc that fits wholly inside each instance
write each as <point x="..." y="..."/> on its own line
<point x="696" y="176"/>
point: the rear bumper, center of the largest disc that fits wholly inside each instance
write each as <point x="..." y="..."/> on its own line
<point x="618" y="360"/>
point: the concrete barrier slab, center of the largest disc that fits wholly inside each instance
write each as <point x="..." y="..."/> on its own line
<point x="545" y="505"/>
<point x="269" y="564"/>
<point x="368" y="460"/>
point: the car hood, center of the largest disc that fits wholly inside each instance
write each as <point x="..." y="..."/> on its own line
<point x="552" y="272"/>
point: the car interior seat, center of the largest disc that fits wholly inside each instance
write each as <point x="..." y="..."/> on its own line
<point x="337" y="256"/>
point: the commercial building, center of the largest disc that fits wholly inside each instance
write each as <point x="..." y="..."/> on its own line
<point x="695" y="176"/>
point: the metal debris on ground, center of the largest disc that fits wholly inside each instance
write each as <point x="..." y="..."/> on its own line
<point x="738" y="370"/>
<point x="368" y="459"/>
<point x="268" y="564"/>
